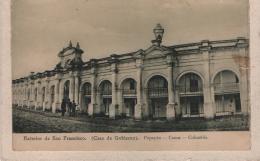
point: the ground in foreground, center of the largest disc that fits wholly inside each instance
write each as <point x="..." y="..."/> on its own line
<point x="28" y="121"/>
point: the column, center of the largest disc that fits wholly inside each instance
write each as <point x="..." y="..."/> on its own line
<point x="23" y="95"/>
<point x="61" y="91"/>
<point x="35" y="94"/>
<point x="56" y="96"/>
<point x="76" y="90"/>
<point x="114" y="106"/>
<point x="38" y="95"/>
<point x="80" y="105"/>
<point x="209" y="104"/>
<point x="244" y="75"/>
<point x="93" y="104"/>
<point x="41" y="96"/>
<point x="170" y="111"/>
<point x="72" y="88"/>
<point x="139" y="103"/>
<point x="28" y="95"/>
<point x="45" y="96"/>
<point x="121" y="108"/>
<point x="48" y="96"/>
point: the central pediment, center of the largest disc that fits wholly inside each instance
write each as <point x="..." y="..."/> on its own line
<point x="157" y="51"/>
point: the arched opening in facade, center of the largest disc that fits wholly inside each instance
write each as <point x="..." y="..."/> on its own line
<point x="191" y="95"/>
<point x="43" y="97"/>
<point x="85" y="97"/>
<point x="35" y="94"/>
<point x="52" y="92"/>
<point x="28" y="94"/>
<point x="157" y="96"/>
<point x="128" y="88"/>
<point x="227" y="93"/>
<point x="105" y="89"/>
<point x="66" y="90"/>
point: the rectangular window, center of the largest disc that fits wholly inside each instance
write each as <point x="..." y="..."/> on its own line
<point x="194" y="106"/>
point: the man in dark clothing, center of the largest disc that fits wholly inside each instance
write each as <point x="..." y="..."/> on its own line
<point x="63" y="107"/>
<point x="69" y="107"/>
<point x="73" y="108"/>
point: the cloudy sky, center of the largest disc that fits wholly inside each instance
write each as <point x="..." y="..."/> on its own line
<point x="41" y="28"/>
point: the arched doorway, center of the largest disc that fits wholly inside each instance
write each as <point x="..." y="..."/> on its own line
<point x="28" y="94"/>
<point x="35" y="94"/>
<point x="105" y="89"/>
<point x="157" y="96"/>
<point x="86" y="97"/>
<point x="128" y="88"/>
<point x="66" y="90"/>
<point x="227" y="93"/>
<point x="191" y="95"/>
<point x="43" y="97"/>
<point x="35" y="98"/>
<point x="52" y="92"/>
<point x="28" y="97"/>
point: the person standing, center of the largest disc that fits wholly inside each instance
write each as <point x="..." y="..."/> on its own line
<point x="69" y="107"/>
<point x="73" y="107"/>
<point x="63" y="107"/>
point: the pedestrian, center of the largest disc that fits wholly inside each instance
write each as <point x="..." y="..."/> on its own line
<point x="73" y="108"/>
<point x="63" y="107"/>
<point x="69" y="107"/>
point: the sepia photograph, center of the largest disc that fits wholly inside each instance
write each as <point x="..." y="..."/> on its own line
<point x="88" y="66"/>
<point x="146" y="80"/>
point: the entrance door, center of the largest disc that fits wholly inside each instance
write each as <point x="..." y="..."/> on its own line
<point x="87" y="101"/>
<point x="130" y="106"/>
<point x="159" y="107"/>
<point x="194" y="106"/>
<point x="107" y="102"/>
<point x="66" y="90"/>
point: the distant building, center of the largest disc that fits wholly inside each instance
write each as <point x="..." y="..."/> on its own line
<point x="204" y="79"/>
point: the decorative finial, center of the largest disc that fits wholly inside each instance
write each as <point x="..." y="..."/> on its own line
<point x="70" y="44"/>
<point x="158" y="33"/>
<point x="78" y="47"/>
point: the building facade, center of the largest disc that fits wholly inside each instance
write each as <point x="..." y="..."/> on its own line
<point x="204" y="79"/>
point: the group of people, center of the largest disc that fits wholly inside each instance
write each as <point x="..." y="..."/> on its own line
<point x="68" y="105"/>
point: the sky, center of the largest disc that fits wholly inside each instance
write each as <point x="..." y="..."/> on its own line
<point x="41" y="28"/>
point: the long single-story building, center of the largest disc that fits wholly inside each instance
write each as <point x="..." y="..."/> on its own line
<point x="203" y="79"/>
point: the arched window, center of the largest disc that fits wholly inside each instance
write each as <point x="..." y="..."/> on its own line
<point x="227" y="93"/>
<point x="190" y="82"/>
<point x="106" y="88"/>
<point x="157" y="96"/>
<point x="191" y="95"/>
<point x="86" y="89"/>
<point x="129" y="86"/>
<point x="158" y="87"/>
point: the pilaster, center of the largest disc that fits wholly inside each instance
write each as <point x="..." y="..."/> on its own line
<point x="244" y="74"/>
<point x="170" y="109"/>
<point x="76" y="91"/>
<point x="56" y="103"/>
<point x="114" y="107"/>
<point x="139" y="104"/>
<point x="209" y="103"/>
<point x="93" y="105"/>
<point x="72" y="87"/>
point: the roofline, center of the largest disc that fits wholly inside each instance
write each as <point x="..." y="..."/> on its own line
<point x="238" y="42"/>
